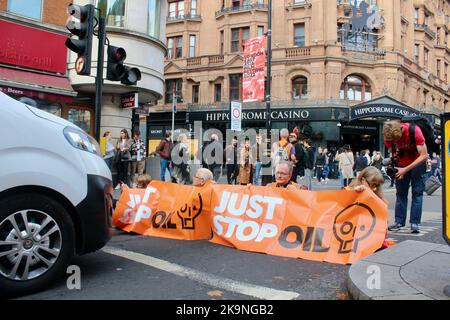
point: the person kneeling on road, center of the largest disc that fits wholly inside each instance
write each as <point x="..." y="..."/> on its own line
<point x="202" y="176"/>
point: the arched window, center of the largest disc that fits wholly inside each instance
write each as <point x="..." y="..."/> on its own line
<point x="355" y="88"/>
<point x="299" y="88"/>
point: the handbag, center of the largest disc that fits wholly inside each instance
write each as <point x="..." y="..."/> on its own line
<point x="125" y="156"/>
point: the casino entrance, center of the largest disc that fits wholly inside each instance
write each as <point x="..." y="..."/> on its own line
<point x="361" y="135"/>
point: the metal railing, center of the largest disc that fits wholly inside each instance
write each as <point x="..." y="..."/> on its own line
<point x="247" y="7"/>
<point x="425" y="28"/>
<point x="182" y="17"/>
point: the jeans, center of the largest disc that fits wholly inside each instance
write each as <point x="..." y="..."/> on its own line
<point x="109" y="162"/>
<point x="165" y="165"/>
<point x="416" y="177"/>
<point x="341" y="179"/>
<point x="122" y="172"/>
<point x="258" y="167"/>
<point x="319" y="171"/>
<point x="308" y="178"/>
<point x="232" y="173"/>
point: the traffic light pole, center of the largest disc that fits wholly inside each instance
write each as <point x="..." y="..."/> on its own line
<point x="99" y="77"/>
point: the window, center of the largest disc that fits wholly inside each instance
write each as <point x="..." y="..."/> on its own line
<point x="299" y="1"/>
<point x="170" y="85"/>
<point x="217" y="92"/>
<point x="175" y="47"/>
<point x="425" y="58"/>
<point x="445" y="72"/>
<point x="416" y="53"/>
<point x="195" y="93"/>
<point x="438" y="36"/>
<point x="299" y="35"/>
<point x="240" y="3"/>
<point x="153" y="18"/>
<point x="27" y="8"/>
<point x="238" y="38"/>
<point x="81" y="118"/>
<point x="235" y="87"/>
<point x="355" y="88"/>
<point x="260" y="31"/>
<point x="299" y="88"/>
<point x="221" y="42"/>
<point x="438" y="68"/>
<point x="176" y="9"/>
<point x="114" y="12"/>
<point x="192" y="46"/>
<point x="193" y="7"/>
<point x="416" y="15"/>
<point x="427" y="18"/>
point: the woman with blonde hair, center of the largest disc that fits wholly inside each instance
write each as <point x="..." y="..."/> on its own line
<point x="369" y="177"/>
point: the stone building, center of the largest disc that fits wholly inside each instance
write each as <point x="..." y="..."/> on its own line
<point x="340" y="67"/>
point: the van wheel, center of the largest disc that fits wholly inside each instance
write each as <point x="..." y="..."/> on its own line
<point x="37" y="241"/>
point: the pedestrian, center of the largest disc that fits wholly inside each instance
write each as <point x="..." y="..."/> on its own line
<point x="180" y="156"/>
<point x="360" y="163"/>
<point x="202" y="176"/>
<point x="320" y="164"/>
<point x="123" y="157"/>
<point x="436" y="166"/>
<point x="367" y="156"/>
<point x="138" y="154"/>
<point x="293" y="141"/>
<point x="281" y="150"/>
<point x="410" y="160"/>
<point x="231" y="161"/>
<point x="110" y="150"/>
<point x="163" y="150"/>
<point x="298" y="159"/>
<point x="377" y="161"/>
<point x="346" y="163"/>
<point x="257" y="151"/>
<point x="246" y="164"/>
<point x="328" y="164"/>
<point x="214" y="156"/>
<point x="308" y="162"/>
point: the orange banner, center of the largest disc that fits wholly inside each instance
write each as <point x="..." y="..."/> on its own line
<point x="334" y="226"/>
<point x="254" y="69"/>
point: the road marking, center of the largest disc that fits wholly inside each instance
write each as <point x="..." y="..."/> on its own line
<point x="203" y="277"/>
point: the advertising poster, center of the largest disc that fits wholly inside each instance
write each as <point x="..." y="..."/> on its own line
<point x="254" y="69"/>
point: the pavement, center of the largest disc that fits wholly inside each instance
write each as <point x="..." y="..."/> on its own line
<point x="410" y="270"/>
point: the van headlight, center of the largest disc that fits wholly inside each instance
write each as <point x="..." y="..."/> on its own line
<point x="82" y="141"/>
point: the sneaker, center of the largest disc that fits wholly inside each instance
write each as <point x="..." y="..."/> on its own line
<point x="415" y="228"/>
<point x="395" y="227"/>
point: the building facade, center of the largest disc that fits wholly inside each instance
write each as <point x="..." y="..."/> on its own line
<point x="339" y="68"/>
<point x="37" y="68"/>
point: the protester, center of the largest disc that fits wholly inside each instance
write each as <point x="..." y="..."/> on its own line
<point x="283" y="173"/>
<point x="137" y="156"/>
<point x="411" y="171"/>
<point x="180" y="157"/>
<point x="308" y="162"/>
<point x="202" y="176"/>
<point x="123" y="157"/>
<point x="246" y="164"/>
<point x="257" y="151"/>
<point x="142" y="182"/>
<point x="163" y="150"/>
<point x="346" y="163"/>
<point x="231" y="161"/>
<point x="110" y="150"/>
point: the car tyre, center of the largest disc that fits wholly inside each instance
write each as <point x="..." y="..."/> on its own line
<point x="37" y="243"/>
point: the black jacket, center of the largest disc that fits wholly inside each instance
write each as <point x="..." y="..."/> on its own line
<point x="360" y="163"/>
<point x="309" y="158"/>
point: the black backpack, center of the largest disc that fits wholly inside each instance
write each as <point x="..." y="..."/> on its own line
<point x="425" y="127"/>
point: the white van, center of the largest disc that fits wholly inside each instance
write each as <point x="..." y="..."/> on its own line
<point x="55" y="197"/>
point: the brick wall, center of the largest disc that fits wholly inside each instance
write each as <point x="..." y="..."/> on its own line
<point x="3" y="5"/>
<point x="55" y="12"/>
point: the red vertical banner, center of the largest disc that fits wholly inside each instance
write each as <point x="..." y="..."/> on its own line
<point x="254" y="69"/>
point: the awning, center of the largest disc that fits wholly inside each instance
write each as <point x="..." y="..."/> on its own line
<point x="36" y="81"/>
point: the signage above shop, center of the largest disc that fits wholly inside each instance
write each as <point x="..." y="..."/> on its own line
<point x="22" y="46"/>
<point x="381" y="110"/>
<point x="129" y="100"/>
<point x="143" y="110"/>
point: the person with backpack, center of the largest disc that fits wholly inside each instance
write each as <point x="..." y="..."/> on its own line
<point x="281" y="150"/>
<point x="308" y="162"/>
<point x="407" y="144"/>
<point x="163" y="150"/>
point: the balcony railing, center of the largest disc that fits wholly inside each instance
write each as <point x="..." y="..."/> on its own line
<point x="377" y="54"/>
<point x="247" y="7"/>
<point x="425" y="28"/>
<point x="183" y="17"/>
<point x="298" y="52"/>
<point x="192" y="62"/>
<point x="218" y="59"/>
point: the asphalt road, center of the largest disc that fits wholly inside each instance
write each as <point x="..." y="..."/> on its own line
<point x="156" y="268"/>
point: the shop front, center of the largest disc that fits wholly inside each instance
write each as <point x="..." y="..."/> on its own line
<point x="37" y="74"/>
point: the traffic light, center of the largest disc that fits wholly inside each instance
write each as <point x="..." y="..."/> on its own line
<point x="81" y="24"/>
<point x="116" y="71"/>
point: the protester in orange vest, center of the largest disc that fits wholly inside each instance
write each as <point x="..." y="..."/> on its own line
<point x="372" y="178"/>
<point x="283" y="173"/>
